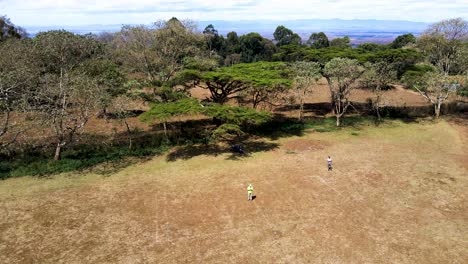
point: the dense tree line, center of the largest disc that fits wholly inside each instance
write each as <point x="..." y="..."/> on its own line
<point x="60" y="80"/>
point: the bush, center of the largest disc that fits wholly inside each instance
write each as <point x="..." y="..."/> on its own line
<point x="414" y="74"/>
<point x="412" y="78"/>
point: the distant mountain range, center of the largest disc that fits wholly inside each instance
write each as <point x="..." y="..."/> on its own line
<point x="360" y="31"/>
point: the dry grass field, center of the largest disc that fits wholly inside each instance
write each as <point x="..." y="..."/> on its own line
<point x="397" y="194"/>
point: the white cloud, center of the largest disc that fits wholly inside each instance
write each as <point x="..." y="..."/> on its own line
<point x="74" y="12"/>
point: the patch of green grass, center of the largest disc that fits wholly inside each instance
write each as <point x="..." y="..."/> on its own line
<point x="322" y="125"/>
<point x="79" y="158"/>
<point x="329" y="124"/>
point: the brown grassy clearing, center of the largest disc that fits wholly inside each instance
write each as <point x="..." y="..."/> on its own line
<point x="397" y="195"/>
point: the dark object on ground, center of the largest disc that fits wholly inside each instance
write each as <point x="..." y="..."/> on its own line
<point x="237" y="149"/>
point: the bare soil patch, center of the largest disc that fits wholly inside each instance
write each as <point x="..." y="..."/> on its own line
<point x="304" y="145"/>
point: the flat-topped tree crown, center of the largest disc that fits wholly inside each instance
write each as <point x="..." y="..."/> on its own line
<point x="227" y="81"/>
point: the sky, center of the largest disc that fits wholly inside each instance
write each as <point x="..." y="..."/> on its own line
<point x="109" y="12"/>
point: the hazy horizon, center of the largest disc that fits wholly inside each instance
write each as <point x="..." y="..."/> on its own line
<point x="359" y="30"/>
<point x="109" y="12"/>
<point x="230" y="21"/>
<point x="362" y="20"/>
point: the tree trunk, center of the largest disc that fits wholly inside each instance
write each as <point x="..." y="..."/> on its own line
<point x="377" y="108"/>
<point x="58" y="152"/>
<point x="255" y="103"/>
<point x="129" y="131"/>
<point x="337" y="111"/>
<point x="165" y="130"/>
<point x="301" y="110"/>
<point x="378" y="114"/>
<point x="437" y="109"/>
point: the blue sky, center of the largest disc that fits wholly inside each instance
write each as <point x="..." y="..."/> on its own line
<point x="86" y="12"/>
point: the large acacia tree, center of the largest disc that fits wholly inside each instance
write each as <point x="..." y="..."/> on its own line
<point x="225" y="82"/>
<point x="230" y="120"/>
<point x="341" y="73"/>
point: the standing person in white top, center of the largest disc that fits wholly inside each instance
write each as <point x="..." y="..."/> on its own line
<point x="250" y="192"/>
<point x="330" y="167"/>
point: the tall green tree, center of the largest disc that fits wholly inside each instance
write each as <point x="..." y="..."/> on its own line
<point x="318" y="40"/>
<point x="133" y="48"/>
<point x="19" y="73"/>
<point x="175" y="41"/>
<point x="377" y="77"/>
<point x="285" y="36"/>
<point x="443" y="44"/>
<point x="341" y="73"/>
<point x="306" y="75"/>
<point x="232" y="42"/>
<point x="342" y="43"/>
<point x="66" y="97"/>
<point x="436" y="88"/>
<point x="400" y="59"/>
<point x="403" y="40"/>
<point x="9" y="30"/>
<point x="215" y="42"/>
<point x="253" y="47"/>
<point x="233" y="49"/>
<point x="108" y="77"/>
<point x="159" y="52"/>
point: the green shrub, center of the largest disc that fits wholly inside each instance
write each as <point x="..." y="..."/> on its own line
<point x="414" y="74"/>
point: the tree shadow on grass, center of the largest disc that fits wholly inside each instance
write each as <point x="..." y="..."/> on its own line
<point x="191" y="151"/>
<point x="405" y="113"/>
<point x="315" y="108"/>
<point x="280" y="126"/>
<point x="93" y="153"/>
<point x="110" y="168"/>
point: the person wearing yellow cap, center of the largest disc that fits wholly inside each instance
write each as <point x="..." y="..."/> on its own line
<point x="250" y="192"/>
